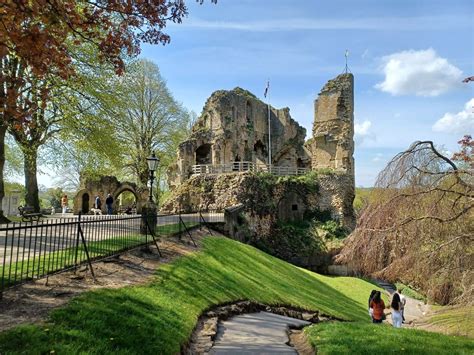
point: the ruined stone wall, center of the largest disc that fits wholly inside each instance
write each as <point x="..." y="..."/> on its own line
<point x="333" y="129"/>
<point x="234" y="127"/>
<point x="91" y="187"/>
<point x="267" y="196"/>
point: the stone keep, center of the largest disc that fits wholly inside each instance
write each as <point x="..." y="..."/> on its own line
<point x="233" y="127"/>
<point x="333" y="128"/>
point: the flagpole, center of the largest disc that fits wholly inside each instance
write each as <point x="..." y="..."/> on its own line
<point x="269" y="130"/>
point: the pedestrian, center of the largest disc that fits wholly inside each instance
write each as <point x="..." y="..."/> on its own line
<point x="396" y="306"/>
<point x="370" y="299"/>
<point x="97" y="203"/>
<point x="377" y="304"/>
<point x="403" y="302"/>
<point x="64" y="203"/>
<point x="108" y="202"/>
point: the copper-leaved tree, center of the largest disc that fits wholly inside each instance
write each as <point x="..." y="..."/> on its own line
<point x="35" y="34"/>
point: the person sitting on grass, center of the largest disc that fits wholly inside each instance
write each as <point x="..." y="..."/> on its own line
<point x="377" y="304"/>
<point x="396" y="311"/>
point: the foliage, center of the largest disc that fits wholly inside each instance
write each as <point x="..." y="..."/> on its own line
<point x="53" y="196"/>
<point x="366" y="338"/>
<point x="113" y="27"/>
<point x="408" y="291"/>
<point x="13" y="158"/>
<point x="159" y="317"/>
<point x="419" y="228"/>
<point x="465" y="156"/>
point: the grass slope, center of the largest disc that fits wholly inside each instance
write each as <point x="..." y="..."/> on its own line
<point x="159" y="317"/>
<point x="366" y="338"/>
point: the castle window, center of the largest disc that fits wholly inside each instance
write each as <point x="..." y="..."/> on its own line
<point x="203" y="154"/>
<point x="294" y="207"/>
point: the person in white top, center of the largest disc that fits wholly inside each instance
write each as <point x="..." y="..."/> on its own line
<point x="403" y="302"/>
<point x="396" y="306"/>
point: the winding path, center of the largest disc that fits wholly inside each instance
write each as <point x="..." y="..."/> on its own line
<point x="255" y="333"/>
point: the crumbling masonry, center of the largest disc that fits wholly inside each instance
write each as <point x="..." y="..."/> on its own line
<point x="230" y="138"/>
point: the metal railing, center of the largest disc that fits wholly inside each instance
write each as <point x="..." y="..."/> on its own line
<point x="33" y="250"/>
<point x="241" y="166"/>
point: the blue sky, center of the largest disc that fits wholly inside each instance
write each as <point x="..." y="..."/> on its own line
<point x="408" y="58"/>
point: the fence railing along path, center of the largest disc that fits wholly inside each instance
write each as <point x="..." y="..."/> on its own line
<point x="241" y="166"/>
<point x="33" y="250"/>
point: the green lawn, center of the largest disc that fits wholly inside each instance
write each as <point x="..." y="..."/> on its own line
<point x="65" y="258"/>
<point x="456" y="320"/>
<point x="159" y="317"/>
<point x="366" y="338"/>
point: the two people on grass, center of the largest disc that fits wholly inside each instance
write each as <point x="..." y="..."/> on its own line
<point x="377" y="307"/>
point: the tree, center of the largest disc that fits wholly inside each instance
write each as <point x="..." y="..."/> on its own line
<point x="39" y="123"/>
<point x="147" y="119"/>
<point x="466" y="154"/>
<point x="113" y="27"/>
<point x="419" y="228"/>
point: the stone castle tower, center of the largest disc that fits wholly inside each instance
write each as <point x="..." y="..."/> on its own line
<point x="333" y="128"/>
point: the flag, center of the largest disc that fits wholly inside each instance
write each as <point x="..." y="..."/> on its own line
<point x="266" y="88"/>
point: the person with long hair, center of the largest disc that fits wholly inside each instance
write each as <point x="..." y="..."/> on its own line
<point x="397" y="307"/>
<point x="377" y="304"/>
<point x="372" y="294"/>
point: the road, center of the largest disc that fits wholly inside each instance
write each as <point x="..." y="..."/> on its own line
<point x="54" y="233"/>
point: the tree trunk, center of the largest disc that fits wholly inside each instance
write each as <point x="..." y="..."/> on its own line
<point x="30" y="155"/>
<point x="3" y="130"/>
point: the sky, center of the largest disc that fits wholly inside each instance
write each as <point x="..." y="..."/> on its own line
<point x="408" y="58"/>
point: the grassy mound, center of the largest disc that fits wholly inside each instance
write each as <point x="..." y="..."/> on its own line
<point x="159" y="317"/>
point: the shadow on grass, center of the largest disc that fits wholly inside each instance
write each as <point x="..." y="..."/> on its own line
<point x="159" y="317"/>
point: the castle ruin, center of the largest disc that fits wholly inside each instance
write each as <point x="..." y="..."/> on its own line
<point x="230" y="139"/>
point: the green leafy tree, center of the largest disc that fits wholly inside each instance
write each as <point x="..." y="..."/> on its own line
<point x="147" y="119"/>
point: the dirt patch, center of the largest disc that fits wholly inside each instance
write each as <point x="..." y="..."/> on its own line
<point x="33" y="301"/>
<point x="299" y="341"/>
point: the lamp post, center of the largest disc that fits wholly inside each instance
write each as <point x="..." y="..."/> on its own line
<point x="152" y="162"/>
<point x="149" y="210"/>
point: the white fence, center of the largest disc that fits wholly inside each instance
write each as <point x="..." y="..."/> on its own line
<point x="240" y="166"/>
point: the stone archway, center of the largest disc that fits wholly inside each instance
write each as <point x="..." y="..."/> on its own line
<point x="102" y="186"/>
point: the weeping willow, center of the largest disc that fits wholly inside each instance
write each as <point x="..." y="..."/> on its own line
<point x="419" y="229"/>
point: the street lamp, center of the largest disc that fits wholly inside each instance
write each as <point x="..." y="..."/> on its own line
<point x="152" y="162"/>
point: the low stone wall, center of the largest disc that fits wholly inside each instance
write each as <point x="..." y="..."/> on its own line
<point x="205" y="331"/>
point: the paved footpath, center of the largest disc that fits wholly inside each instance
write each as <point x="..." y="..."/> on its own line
<point x="255" y="333"/>
<point x="414" y="311"/>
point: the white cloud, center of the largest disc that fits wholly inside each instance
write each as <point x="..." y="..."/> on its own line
<point x="459" y="123"/>
<point x="421" y="73"/>
<point x="314" y="24"/>
<point x="362" y="132"/>
<point x="378" y="157"/>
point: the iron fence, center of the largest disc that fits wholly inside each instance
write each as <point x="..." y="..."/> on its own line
<point x="33" y="250"/>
